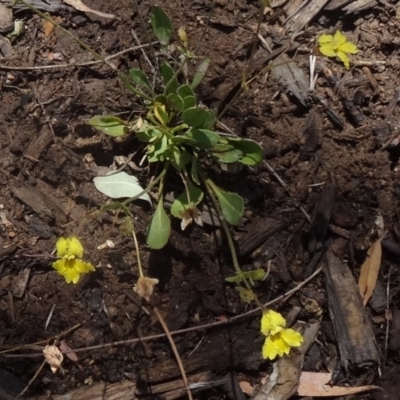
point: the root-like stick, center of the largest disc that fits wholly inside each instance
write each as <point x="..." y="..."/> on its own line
<point x="32" y="380"/>
<point x="175" y="350"/>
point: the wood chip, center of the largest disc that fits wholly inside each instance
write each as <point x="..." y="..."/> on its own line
<point x="78" y="5"/>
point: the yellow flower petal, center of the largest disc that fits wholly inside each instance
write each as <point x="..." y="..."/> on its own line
<point x="274" y="346"/>
<point x="69" y="248"/>
<point x="343" y="57"/>
<point x="75" y="247"/>
<point x="348" y="47"/>
<point x="327" y="50"/>
<point x="60" y="266"/>
<point x="272" y="322"/>
<point x="292" y="337"/>
<point x="62" y="247"/>
<point x="324" y="39"/>
<point x="339" y="38"/>
<point x="83" y="267"/>
<point x="71" y="275"/>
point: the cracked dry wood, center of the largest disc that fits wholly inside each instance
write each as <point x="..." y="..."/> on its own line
<point x="351" y="323"/>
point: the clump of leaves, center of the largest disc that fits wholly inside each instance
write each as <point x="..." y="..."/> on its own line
<point x="178" y="133"/>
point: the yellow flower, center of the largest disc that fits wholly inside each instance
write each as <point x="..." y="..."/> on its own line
<point x="70" y="265"/>
<point x="272" y="322"/>
<point x="280" y="343"/>
<point x="337" y="46"/>
<point x="278" y="340"/>
<point x="69" y="248"/>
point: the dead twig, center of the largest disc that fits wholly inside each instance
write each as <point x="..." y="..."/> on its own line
<point x="84" y="64"/>
<point x="31" y="380"/>
<point x="281" y="298"/>
<point x="175" y="350"/>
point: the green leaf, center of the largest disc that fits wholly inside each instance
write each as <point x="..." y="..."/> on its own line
<point x="232" y="204"/>
<point x="194" y="170"/>
<point x="184" y="202"/>
<point x="127" y="83"/>
<point x="161" y="24"/>
<point x="204" y="138"/>
<point x="110" y="125"/>
<point x="159" y="228"/>
<point x="200" y="73"/>
<point x="235" y="278"/>
<point x="246" y="295"/>
<point x="120" y="185"/>
<point x="140" y="78"/>
<point x="160" y="114"/>
<point x="198" y="117"/>
<point x="169" y="79"/>
<point x="175" y="101"/>
<point x="252" y="153"/>
<point x="255" y="275"/>
<point x="178" y="157"/>
<point x="226" y="153"/>
<point x="185" y="91"/>
<point x="157" y="149"/>
<point x="188" y="102"/>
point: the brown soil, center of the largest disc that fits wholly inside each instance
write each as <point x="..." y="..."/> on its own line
<point x="50" y="157"/>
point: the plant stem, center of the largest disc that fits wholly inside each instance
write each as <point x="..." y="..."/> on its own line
<point x="209" y="185"/>
<point x="141" y="274"/>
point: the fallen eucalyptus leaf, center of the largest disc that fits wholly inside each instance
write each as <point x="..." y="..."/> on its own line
<point x="369" y="271"/>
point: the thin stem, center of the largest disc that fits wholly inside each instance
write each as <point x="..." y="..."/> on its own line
<point x="141" y="274"/>
<point x="209" y="185"/>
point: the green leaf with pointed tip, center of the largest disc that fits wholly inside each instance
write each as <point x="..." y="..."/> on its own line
<point x="161" y="24"/>
<point x="159" y="228"/>
<point x="185" y="91"/>
<point x="110" y="125"/>
<point x="238" y="278"/>
<point x="198" y="117"/>
<point x="204" y="138"/>
<point x="232" y="205"/>
<point x="252" y="153"/>
<point x="184" y="202"/>
<point x="140" y="78"/>
<point x="200" y="73"/>
<point x="169" y="79"/>
<point x="226" y="153"/>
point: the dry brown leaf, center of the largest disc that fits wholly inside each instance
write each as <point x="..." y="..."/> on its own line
<point x="145" y="286"/>
<point x="369" y="271"/>
<point x="48" y="26"/>
<point x="78" y="5"/>
<point x="54" y="357"/>
<point x="68" y="351"/>
<point x="315" y="384"/>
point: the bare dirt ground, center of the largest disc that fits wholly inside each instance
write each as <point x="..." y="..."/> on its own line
<point x="337" y="150"/>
